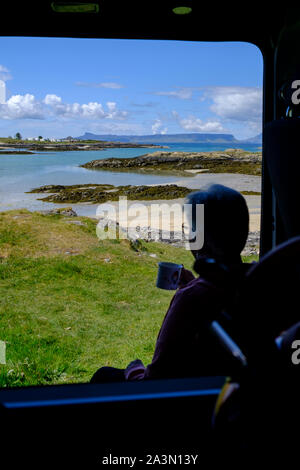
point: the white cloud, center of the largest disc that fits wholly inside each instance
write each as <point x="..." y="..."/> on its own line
<point x="92" y="110"/>
<point x="21" y="107"/>
<point x="157" y="127"/>
<point x="236" y="103"/>
<point x="52" y="100"/>
<point x="27" y="107"/>
<point x="194" y="124"/>
<point x="183" y="93"/>
<point x="4" y="73"/>
<point x="232" y="106"/>
<point x="111" y="85"/>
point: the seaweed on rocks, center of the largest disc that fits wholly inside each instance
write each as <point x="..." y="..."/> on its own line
<point x="100" y="193"/>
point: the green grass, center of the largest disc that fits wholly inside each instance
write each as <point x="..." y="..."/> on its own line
<point x="62" y="316"/>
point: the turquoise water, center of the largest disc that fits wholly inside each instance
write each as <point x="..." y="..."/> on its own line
<point x="20" y="173"/>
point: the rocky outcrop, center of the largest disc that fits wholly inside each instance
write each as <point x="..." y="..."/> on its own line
<point x="252" y="244"/>
<point x="229" y="161"/>
<point x="100" y="193"/>
<point x="15" y="152"/>
<point x="66" y="211"/>
<point x="174" y="238"/>
<point x="65" y="146"/>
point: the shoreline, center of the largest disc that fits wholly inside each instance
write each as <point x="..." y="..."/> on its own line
<point x="189" y="172"/>
<point x="12" y="148"/>
<point x="173" y="238"/>
<point x="89" y="197"/>
<point x="154" y="225"/>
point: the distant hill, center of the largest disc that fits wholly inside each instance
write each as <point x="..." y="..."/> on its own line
<point x="193" y="138"/>
<point x="253" y="140"/>
<point x="163" y="138"/>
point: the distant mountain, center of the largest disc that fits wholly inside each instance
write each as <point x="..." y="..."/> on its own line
<point x="193" y="138"/>
<point x="253" y="140"/>
<point x="163" y="138"/>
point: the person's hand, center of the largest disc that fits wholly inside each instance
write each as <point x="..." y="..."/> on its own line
<point x="133" y="367"/>
<point x="135" y="363"/>
<point x="185" y="277"/>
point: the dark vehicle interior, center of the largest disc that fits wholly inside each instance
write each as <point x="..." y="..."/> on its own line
<point x="68" y="425"/>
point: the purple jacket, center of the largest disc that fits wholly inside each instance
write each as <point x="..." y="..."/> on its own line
<point x="184" y="345"/>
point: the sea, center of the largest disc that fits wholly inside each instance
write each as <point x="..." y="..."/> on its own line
<point x="21" y="173"/>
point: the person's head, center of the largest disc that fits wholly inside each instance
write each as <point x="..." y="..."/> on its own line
<point x="226" y="222"/>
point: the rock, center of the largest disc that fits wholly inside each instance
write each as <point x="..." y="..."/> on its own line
<point x="70" y="145"/>
<point x="232" y="161"/>
<point x="252" y="244"/>
<point x="107" y="260"/>
<point x="75" y="222"/>
<point x="135" y="244"/>
<point x="100" y="193"/>
<point x="66" y="211"/>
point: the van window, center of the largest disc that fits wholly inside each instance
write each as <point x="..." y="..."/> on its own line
<point x="101" y="141"/>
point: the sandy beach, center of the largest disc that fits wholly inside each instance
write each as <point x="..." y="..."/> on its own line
<point x="149" y="217"/>
<point x="145" y="214"/>
<point x="232" y="180"/>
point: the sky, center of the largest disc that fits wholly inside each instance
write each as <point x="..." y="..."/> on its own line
<point x="59" y="87"/>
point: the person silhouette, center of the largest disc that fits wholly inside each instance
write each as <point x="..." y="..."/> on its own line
<point x="184" y="346"/>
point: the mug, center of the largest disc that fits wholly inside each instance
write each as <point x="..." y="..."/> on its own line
<point x="168" y="275"/>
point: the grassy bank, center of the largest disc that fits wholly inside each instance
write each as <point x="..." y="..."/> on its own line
<point x="70" y="303"/>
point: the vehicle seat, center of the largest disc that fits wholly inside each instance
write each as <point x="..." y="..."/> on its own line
<point x="264" y="399"/>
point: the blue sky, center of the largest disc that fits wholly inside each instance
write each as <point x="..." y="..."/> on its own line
<point x="57" y="87"/>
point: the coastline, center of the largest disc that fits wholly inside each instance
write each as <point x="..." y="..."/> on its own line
<point x="150" y="226"/>
<point x="191" y="178"/>
<point x="24" y="147"/>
